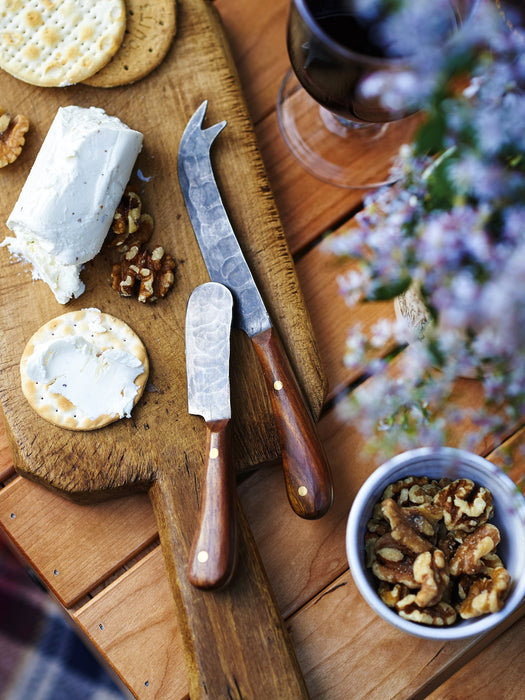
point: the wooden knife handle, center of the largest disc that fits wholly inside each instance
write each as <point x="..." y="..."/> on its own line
<point x="213" y="553"/>
<point x="306" y="469"/>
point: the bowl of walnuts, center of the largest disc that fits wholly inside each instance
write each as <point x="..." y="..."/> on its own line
<point x="435" y="541"/>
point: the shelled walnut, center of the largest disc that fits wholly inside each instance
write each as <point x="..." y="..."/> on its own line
<point x="433" y="552"/>
<point x="140" y="272"/>
<point x="126" y="219"/>
<point x="400" y="490"/>
<point x="430" y="572"/>
<point x="465" y="505"/>
<point x="148" y="275"/>
<point x="141" y="234"/>
<point x="468" y="558"/>
<point x="406" y="528"/>
<point x="486" y="595"/>
<point x="439" y="615"/>
<point x="393" y="562"/>
<point x="12" y="136"/>
<point x="391" y="595"/>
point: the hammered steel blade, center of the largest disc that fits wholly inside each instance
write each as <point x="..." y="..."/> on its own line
<point x="208" y="325"/>
<point x="219" y="246"/>
<point x="213" y="553"/>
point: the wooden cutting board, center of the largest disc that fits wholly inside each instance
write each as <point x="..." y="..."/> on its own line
<point x="234" y="636"/>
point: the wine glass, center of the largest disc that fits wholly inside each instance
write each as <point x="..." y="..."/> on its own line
<point x="340" y="131"/>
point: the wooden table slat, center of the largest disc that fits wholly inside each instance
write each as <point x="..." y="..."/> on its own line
<point x="307" y="207"/>
<point x="499" y="666"/>
<point x="132" y="623"/>
<point x="73" y="547"/>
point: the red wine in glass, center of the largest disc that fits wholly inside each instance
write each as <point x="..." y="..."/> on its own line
<point x="333" y="59"/>
<point x="336" y="54"/>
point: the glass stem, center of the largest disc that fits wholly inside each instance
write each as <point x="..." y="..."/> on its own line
<point x="341" y="126"/>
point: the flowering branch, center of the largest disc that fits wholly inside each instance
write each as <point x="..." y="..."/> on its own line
<point x="452" y="228"/>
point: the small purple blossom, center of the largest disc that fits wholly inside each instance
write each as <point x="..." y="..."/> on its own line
<point x="381" y="333"/>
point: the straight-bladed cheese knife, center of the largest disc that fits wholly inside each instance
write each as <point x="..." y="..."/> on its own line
<point x="307" y="473"/>
<point x="208" y="326"/>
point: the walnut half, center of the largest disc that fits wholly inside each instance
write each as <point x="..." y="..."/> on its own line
<point x="440" y="615"/>
<point x="465" y="505"/>
<point x="430" y="571"/>
<point x="486" y="595"/>
<point x="12" y="136"/>
<point x="126" y="219"/>
<point x="148" y="275"/>
<point x="468" y="558"/>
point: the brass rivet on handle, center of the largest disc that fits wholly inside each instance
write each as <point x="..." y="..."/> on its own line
<point x="302" y="490"/>
<point x="277" y="385"/>
<point x="214" y="453"/>
<point x="202" y="556"/>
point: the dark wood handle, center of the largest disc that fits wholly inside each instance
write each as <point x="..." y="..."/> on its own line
<point x="213" y="552"/>
<point x="306" y="469"/>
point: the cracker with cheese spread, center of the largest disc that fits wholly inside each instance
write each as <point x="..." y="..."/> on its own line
<point x="84" y="369"/>
<point x="54" y="44"/>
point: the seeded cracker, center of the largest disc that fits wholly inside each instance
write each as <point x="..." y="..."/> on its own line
<point x="88" y="332"/>
<point x="58" y="43"/>
<point x="149" y="33"/>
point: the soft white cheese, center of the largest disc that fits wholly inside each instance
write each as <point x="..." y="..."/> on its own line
<point x="67" y="203"/>
<point x="97" y="383"/>
<point x="63" y="280"/>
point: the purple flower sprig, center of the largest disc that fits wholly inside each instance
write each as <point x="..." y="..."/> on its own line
<point x="452" y="227"/>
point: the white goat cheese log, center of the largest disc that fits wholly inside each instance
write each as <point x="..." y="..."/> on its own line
<point x="67" y="203"/>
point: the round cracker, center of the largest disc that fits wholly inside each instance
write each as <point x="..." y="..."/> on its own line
<point x="54" y="44"/>
<point x="150" y="29"/>
<point x="101" y="330"/>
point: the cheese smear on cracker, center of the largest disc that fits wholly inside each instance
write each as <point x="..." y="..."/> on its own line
<point x="97" y="383"/>
<point x="84" y="369"/>
<point x="67" y="203"/>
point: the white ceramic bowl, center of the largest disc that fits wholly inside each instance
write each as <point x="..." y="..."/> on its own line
<point x="509" y="507"/>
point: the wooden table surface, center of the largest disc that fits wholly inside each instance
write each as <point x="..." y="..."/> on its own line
<point x="104" y="565"/>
